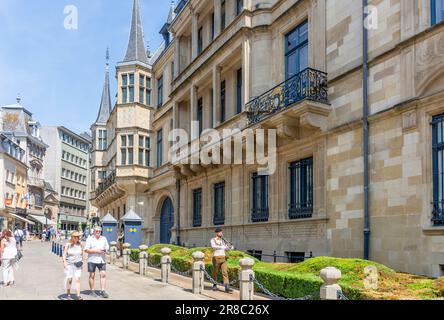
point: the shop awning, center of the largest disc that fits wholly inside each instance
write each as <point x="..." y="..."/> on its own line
<point x="23" y="219"/>
<point x="43" y="220"/>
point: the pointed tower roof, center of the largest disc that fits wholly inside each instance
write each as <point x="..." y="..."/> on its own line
<point x="109" y="219"/>
<point x="171" y="14"/>
<point x="136" y="46"/>
<point x="105" y="104"/>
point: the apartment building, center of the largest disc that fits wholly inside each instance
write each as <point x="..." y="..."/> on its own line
<point x="358" y="113"/>
<point x="68" y="158"/>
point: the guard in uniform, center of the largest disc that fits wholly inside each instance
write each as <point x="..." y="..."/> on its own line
<point x="220" y="246"/>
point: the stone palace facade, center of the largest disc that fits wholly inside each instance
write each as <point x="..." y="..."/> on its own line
<point x="358" y="113"/>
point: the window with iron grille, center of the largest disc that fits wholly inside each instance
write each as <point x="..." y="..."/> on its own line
<point x="197" y="208"/>
<point x="259" y="210"/>
<point x="219" y="204"/>
<point x="301" y="189"/>
<point x="438" y="170"/>
<point x="256" y="254"/>
<point x="295" y="257"/>
<point x="437" y="11"/>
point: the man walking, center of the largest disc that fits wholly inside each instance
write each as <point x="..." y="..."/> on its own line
<point x="96" y="247"/>
<point x="18" y="235"/>
<point x="219" y="246"/>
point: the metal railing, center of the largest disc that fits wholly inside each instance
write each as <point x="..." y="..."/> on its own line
<point x="108" y="181"/>
<point x="275" y="256"/>
<point x="309" y="84"/>
<point x="438" y="214"/>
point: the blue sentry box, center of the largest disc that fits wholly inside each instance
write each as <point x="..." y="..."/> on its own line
<point x="132" y="229"/>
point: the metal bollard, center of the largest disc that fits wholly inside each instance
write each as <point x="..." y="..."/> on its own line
<point x="246" y="285"/>
<point x="126" y="255"/>
<point x="198" y="274"/>
<point x="165" y="261"/>
<point x="52" y="247"/>
<point x="330" y="288"/>
<point x="61" y="251"/>
<point x="143" y="260"/>
<point x="57" y="248"/>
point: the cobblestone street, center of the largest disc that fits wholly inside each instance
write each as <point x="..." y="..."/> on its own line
<point x="40" y="277"/>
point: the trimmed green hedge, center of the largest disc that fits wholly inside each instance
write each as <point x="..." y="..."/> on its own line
<point x="302" y="279"/>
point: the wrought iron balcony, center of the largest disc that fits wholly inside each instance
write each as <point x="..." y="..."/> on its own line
<point x="107" y="182"/>
<point x="219" y="220"/>
<point x="309" y="84"/>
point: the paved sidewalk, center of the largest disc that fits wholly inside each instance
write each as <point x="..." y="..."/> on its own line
<point x="40" y="277"/>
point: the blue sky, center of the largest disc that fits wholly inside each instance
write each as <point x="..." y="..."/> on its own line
<point x="59" y="73"/>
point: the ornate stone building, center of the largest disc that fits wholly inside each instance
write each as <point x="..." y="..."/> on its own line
<point x="359" y="119"/>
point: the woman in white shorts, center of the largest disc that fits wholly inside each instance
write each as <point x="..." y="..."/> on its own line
<point x="73" y="263"/>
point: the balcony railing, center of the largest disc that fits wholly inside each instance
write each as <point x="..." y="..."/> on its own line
<point x="108" y="181"/>
<point x="309" y="84"/>
<point x="259" y="215"/>
<point x="37" y="182"/>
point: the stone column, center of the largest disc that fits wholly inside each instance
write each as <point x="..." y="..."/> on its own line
<point x="126" y="255"/>
<point x="245" y="71"/>
<point x="143" y="259"/>
<point x="216" y="95"/>
<point x="217" y="17"/>
<point x="165" y="262"/>
<point x="246" y="286"/>
<point x="113" y="252"/>
<point x="330" y="288"/>
<point x="194" y="35"/>
<point x="198" y="274"/>
<point x="176" y="57"/>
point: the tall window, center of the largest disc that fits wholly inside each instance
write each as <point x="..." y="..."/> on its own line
<point x="127" y="150"/>
<point x="438" y="170"/>
<point x="259" y="208"/>
<point x="222" y="15"/>
<point x="301" y="189"/>
<point x="212" y="26"/>
<point x="200" y="40"/>
<point x="239" y="6"/>
<point x="159" y="148"/>
<point x="102" y="139"/>
<point x="160" y="92"/>
<point x="197" y="208"/>
<point x="239" y="90"/>
<point x="144" y="151"/>
<point x="437" y="11"/>
<point x="200" y="114"/>
<point x="127" y="88"/>
<point x="222" y="101"/>
<point x="219" y="204"/>
<point x="148" y="91"/>
<point x="142" y="92"/>
<point x="296" y="50"/>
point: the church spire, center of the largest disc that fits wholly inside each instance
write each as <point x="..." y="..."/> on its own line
<point x="105" y="104"/>
<point x="136" y="46"/>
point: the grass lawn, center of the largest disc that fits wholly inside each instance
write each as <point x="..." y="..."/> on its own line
<point x="300" y="279"/>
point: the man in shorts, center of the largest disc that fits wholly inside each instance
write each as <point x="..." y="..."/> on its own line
<point x="96" y="248"/>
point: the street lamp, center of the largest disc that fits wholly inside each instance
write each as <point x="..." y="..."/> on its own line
<point x="66" y="227"/>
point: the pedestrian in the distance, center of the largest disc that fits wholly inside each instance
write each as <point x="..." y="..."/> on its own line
<point x="44" y="235"/>
<point x="96" y="248"/>
<point x="18" y="235"/>
<point x="8" y="254"/>
<point x="73" y="263"/>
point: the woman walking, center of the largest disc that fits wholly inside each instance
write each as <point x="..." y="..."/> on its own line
<point x="73" y="263"/>
<point x="8" y="253"/>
